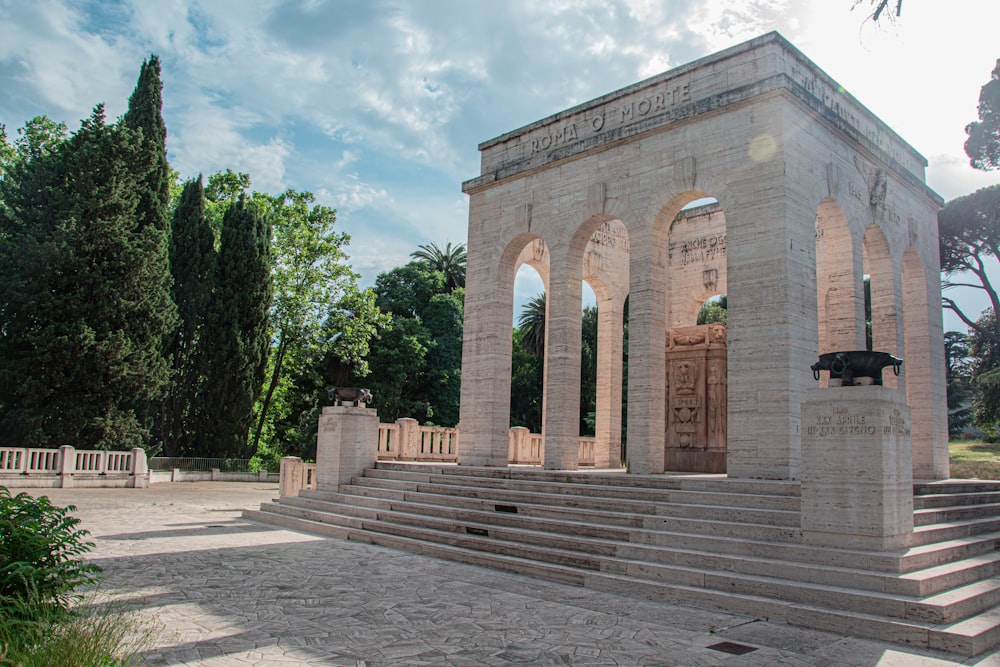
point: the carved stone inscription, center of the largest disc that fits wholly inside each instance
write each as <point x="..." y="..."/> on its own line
<point x="696" y="398"/>
<point x="843" y="421"/>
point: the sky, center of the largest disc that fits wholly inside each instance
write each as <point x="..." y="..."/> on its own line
<point x="378" y="106"/>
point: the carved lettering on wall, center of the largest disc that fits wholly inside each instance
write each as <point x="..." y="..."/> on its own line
<point x="665" y="96"/>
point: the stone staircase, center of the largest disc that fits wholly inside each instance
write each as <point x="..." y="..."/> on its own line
<point x="703" y="540"/>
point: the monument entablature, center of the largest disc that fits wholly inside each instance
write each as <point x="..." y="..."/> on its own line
<point x="731" y="77"/>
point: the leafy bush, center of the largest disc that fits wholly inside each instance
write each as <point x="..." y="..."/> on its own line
<point x="41" y="556"/>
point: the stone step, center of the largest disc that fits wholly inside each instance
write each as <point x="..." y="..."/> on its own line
<point x="939" y="578"/>
<point x="678" y="481"/>
<point x="681" y="496"/>
<point x="953" y="530"/>
<point x="955" y="500"/>
<point x="970" y="636"/>
<point x="517" y="565"/>
<point x="513" y="497"/>
<point x="955" y="513"/>
<point x="951" y="486"/>
<point x="670" y="548"/>
<point x="918" y="558"/>
<point x="773" y="579"/>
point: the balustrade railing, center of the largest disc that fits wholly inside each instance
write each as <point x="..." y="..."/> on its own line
<point x="67" y="466"/>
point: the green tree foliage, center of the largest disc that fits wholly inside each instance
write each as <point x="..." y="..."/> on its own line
<point x="531" y="322"/>
<point x="958" y="373"/>
<point x="715" y="311"/>
<point x="985" y="350"/>
<point x="338" y="358"/>
<point x="237" y="329"/>
<point x="406" y="290"/>
<point x="525" y="385"/>
<point x="416" y="361"/>
<point x="983" y="144"/>
<point x="969" y="232"/>
<point x="527" y="366"/>
<point x="79" y="283"/>
<point x="310" y="274"/>
<point x="449" y="261"/>
<point x="443" y="318"/>
<point x="182" y="416"/>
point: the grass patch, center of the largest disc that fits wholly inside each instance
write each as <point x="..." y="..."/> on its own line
<point x="95" y="633"/>
<point x="972" y="459"/>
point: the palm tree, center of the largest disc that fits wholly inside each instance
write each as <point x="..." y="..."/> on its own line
<point x="531" y="323"/>
<point x="450" y="262"/>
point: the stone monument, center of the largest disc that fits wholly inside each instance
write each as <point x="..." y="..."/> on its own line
<point x="808" y="193"/>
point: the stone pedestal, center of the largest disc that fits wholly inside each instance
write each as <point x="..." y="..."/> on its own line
<point x="292" y="476"/>
<point x="857" y="471"/>
<point x="347" y="444"/>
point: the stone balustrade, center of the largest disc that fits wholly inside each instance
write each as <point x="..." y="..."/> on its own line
<point x="407" y="440"/>
<point x="66" y="467"/>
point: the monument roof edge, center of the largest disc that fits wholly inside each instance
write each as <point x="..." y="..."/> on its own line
<point x="736" y="49"/>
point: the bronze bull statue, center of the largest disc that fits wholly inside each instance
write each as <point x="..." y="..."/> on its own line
<point x="356" y="396"/>
<point x="849" y="366"/>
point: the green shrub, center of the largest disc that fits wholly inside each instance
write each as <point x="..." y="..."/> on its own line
<point x="41" y="556"/>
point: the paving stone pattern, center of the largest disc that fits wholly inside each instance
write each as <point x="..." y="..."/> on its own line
<point x="227" y="591"/>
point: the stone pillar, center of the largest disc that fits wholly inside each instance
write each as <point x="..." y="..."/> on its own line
<point x="347" y="444"/>
<point x="67" y="465"/>
<point x="562" y="358"/>
<point x="408" y="446"/>
<point x="292" y="476"/>
<point x="484" y="410"/>
<point x="857" y="479"/>
<point x="647" y="343"/>
<point x="608" y="423"/>
<point x="140" y="469"/>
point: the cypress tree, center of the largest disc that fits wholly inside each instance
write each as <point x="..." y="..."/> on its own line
<point x="144" y="116"/>
<point x="79" y="312"/>
<point x="238" y="329"/>
<point x="192" y="265"/>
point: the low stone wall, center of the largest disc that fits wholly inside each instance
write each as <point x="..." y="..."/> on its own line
<point x="214" y="475"/>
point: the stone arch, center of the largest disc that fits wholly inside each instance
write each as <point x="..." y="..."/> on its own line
<point x="649" y="279"/>
<point x="562" y="351"/>
<point x="930" y="460"/>
<point x="878" y="265"/>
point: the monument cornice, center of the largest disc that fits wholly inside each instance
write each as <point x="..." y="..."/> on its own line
<point x="743" y="72"/>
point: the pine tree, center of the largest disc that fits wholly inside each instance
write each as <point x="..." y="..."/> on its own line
<point x="78" y="292"/>
<point x="237" y="330"/>
<point x="192" y="265"/>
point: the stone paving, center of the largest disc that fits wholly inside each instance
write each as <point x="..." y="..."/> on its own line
<point x="227" y="591"/>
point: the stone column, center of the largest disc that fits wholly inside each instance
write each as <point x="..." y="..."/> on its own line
<point x="347" y="444"/>
<point x="772" y="318"/>
<point x="486" y="345"/>
<point x="562" y="356"/>
<point x="608" y="425"/>
<point x="647" y="349"/>
<point x="857" y="479"/>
